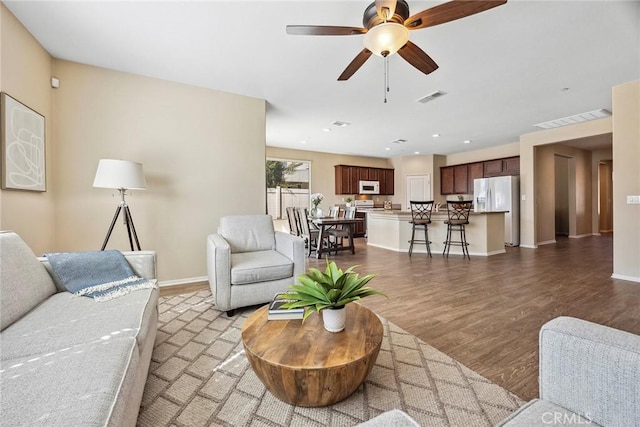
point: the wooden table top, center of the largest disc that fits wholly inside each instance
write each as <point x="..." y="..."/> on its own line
<point x="296" y="345"/>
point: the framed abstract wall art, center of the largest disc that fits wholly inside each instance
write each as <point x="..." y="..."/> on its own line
<point x="22" y="146"/>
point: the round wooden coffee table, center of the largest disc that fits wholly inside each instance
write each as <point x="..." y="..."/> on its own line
<point x="305" y="365"/>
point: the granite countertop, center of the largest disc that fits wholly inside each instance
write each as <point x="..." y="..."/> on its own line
<point x="441" y="212"/>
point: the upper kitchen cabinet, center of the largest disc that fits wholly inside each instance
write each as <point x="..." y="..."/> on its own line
<point x="459" y="179"/>
<point x="454" y="179"/>
<point x="347" y="178"/>
<point x="387" y="184"/>
<point x="476" y="170"/>
<point x="502" y="167"/>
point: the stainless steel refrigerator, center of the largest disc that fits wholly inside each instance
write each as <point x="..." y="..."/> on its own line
<point x="501" y="193"/>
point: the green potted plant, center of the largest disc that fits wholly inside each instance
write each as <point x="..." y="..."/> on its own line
<point x="348" y="201"/>
<point x="329" y="292"/>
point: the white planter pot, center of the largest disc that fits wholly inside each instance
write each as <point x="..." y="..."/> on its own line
<point x="334" y="319"/>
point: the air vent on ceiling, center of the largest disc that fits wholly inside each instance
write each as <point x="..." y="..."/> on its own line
<point x="431" y="96"/>
<point x="340" y="124"/>
<point x="572" y="120"/>
<point x="399" y="141"/>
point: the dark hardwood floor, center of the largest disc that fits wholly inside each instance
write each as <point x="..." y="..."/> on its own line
<point x="486" y="312"/>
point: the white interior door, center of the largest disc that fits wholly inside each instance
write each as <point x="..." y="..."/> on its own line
<point x="418" y="187"/>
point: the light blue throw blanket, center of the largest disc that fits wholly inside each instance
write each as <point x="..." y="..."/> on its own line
<point x="101" y="275"/>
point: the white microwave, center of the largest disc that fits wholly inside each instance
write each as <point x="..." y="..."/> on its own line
<point x="369" y="187"/>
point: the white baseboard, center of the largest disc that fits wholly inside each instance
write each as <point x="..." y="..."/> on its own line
<point x="580" y="236"/>
<point x="529" y="246"/>
<point x="547" y="242"/>
<point x="629" y="278"/>
<point x="187" y="281"/>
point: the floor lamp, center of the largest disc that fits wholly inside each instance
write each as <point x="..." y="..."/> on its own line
<point x="121" y="175"/>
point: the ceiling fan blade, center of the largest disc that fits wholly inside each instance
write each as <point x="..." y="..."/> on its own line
<point x="355" y="65"/>
<point x="450" y="11"/>
<point x="418" y="58"/>
<point x="320" y="30"/>
<point x="390" y="5"/>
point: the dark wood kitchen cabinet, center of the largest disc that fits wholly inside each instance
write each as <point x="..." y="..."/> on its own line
<point x="476" y="170"/>
<point x="446" y="180"/>
<point x="347" y="179"/>
<point x="454" y="179"/>
<point x="387" y="182"/>
<point x="459" y="179"/>
<point x="361" y="226"/>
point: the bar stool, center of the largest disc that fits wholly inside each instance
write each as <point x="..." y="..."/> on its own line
<point x="420" y="220"/>
<point x="458" y="217"/>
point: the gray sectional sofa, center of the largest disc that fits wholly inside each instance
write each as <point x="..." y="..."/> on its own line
<point x="67" y="360"/>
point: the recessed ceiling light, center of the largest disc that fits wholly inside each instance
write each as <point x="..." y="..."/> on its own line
<point x="387" y="149"/>
<point x="467" y="141"/>
<point x="303" y="142"/>
<point x="436" y="135"/>
<point x="326" y="130"/>
<point x="416" y="152"/>
<point x="340" y="124"/>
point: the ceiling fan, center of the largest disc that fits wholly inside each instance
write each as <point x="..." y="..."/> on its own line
<point x="386" y="30"/>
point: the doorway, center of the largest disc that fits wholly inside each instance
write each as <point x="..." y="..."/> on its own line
<point x="418" y="187"/>
<point x="605" y="196"/>
<point x="562" y="204"/>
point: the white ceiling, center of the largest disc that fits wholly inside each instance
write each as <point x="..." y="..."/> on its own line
<point x="503" y="70"/>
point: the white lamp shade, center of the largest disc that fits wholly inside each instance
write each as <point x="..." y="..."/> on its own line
<point x="387" y="37"/>
<point x="119" y="174"/>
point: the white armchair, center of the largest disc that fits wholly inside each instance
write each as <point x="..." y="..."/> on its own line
<point x="248" y="262"/>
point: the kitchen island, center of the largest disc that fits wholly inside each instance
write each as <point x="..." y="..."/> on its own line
<point x="392" y="230"/>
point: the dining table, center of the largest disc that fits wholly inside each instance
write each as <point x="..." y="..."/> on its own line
<point x="326" y="223"/>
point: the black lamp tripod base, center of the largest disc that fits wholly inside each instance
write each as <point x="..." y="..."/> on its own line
<point x="128" y="221"/>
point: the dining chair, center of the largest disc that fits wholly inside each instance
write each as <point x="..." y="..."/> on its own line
<point x="420" y="220"/>
<point x="310" y="236"/>
<point x="339" y="233"/>
<point x="293" y="223"/>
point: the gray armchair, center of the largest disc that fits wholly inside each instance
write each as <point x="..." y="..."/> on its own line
<point x="248" y="262"/>
<point x="589" y="375"/>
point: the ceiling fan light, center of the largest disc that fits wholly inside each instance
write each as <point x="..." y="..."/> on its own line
<point x="387" y="37"/>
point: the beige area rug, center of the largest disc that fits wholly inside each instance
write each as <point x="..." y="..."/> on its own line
<point x="199" y="376"/>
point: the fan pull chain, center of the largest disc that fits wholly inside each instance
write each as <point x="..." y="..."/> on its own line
<point x="386" y="77"/>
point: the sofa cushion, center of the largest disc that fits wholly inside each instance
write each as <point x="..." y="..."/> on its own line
<point x="65" y="320"/>
<point x="261" y="266"/>
<point x="24" y="282"/>
<point x="248" y="233"/>
<point x="74" y="387"/>
<point x="544" y="413"/>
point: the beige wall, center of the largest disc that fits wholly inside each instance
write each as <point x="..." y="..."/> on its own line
<point x="579" y="191"/>
<point x="25" y="72"/>
<point x="417" y="165"/>
<point x="323" y="172"/>
<point x="626" y="180"/>
<point x="506" y="150"/>
<point x="528" y="168"/>
<point x="203" y="154"/>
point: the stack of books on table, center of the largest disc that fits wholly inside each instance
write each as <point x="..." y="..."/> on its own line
<point x="276" y="312"/>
